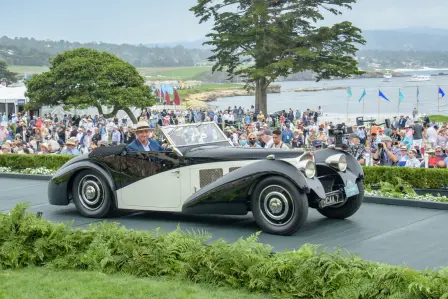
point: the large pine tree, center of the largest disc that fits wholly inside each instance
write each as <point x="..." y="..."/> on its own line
<point x="265" y="39"/>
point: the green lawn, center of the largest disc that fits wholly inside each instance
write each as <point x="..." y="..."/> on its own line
<point x="22" y="69"/>
<point x="153" y="72"/>
<point x="438" y="118"/>
<point x="173" y="72"/>
<point x="209" y="87"/>
<point x="39" y="283"/>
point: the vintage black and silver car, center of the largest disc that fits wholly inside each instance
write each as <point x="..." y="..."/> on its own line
<point x="205" y="174"/>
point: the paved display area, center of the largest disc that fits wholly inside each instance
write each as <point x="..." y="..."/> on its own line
<point x="390" y="234"/>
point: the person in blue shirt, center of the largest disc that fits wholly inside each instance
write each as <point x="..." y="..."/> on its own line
<point x="70" y="147"/>
<point x="144" y="141"/>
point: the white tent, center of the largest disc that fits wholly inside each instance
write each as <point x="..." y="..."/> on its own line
<point x="12" y="96"/>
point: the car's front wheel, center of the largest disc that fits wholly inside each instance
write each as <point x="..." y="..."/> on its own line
<point x="91" y="194"/>
<point x="278" y="206"/>
<point x="350" y="207"/>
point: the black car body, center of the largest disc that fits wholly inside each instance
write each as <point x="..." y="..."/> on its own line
<point x="203" y="175"/>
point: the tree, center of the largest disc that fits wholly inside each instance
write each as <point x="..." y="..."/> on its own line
<point x="85" y="78"/>
<point x="5" y="74"/>
<point x="265" y="39"/>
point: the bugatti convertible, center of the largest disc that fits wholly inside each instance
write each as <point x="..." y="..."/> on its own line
<point x="203" y="173"/>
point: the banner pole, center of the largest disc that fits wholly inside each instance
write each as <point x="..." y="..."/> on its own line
<point x="438" y="99"/>
<point x="348" y="98"/>
<point x="417" y="97"/>
<point x="378" y="107"/>
<point x="399" y="101"/>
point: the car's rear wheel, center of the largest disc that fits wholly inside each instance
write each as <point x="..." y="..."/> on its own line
<point x="350" y="207"/>
<point x="278" y="206"/>
<point x="91" y="194"/>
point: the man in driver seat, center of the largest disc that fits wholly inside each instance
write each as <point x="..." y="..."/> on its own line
<point x="144" y="141"/>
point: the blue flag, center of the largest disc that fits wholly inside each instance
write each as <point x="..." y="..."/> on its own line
<point x="441" y="92"/>
<point x="349" y="92"/>
<point x="381" y="94"/>
<point x="362" y="96"/>
<point x="400" y="94"/>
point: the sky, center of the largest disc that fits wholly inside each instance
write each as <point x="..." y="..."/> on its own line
<point x="159" y="21"/>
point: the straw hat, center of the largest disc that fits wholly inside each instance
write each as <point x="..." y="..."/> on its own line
<point x="44" y="145"/>
<point x="70" y="141"/>
<point x="142" y="125"/>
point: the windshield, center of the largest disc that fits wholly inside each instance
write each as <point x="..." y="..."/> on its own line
<point x="194" y="134"/>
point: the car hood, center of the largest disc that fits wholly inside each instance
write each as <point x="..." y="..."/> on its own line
<point x="217" y="154"/>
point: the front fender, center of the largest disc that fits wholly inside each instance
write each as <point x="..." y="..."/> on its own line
<point x="229" y="194"/>
<point x="58" y="186"/>
<point x="354" y="169"/>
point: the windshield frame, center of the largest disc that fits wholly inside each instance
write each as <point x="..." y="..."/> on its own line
<point x="166" y="133"/>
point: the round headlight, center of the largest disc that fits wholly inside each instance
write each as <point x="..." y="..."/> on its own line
<point x="342" y="164"/>
<point x="338" y="161"/>
<point x="307" y="167"/>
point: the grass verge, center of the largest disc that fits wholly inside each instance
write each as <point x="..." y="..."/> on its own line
<point x="46" y="283"/>
<point x="173" y="72"/>
<point x="24" y="69"/>
<point x="210" y="87"/>
<point x="438" y="118"/>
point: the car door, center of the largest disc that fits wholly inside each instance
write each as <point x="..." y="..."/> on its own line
<point x="150" y="181"/>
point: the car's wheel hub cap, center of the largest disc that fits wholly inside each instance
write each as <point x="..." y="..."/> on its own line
<point x="91" y="192"/>
<point x="276" y="205"/>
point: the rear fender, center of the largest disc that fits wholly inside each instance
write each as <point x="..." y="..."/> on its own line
<point x="229" y="194"/>
<point x="66" y="174"/>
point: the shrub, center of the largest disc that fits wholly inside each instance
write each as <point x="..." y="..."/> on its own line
<point x="27" y="240"/>
<point x="19" y="162"/>
<point x="424" y="178"/>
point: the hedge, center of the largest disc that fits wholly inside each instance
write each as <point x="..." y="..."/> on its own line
<point x="18" y="162"/>
<point x="416" y="177"/>
<point x="27" y="240"/>
<point x="424" y="178"/>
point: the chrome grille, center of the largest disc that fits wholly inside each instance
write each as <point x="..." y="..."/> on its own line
<point x="208" y="176"/>
<point x="233" y="168"/>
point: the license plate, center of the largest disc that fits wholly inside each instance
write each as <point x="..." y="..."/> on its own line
<point x="331" y="200"/>
<point x="351" y="189"/>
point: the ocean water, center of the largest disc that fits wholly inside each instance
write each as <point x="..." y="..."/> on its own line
<point x="334" y="102"/>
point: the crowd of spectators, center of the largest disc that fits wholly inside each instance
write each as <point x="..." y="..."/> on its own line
<point x="402" y="142"/>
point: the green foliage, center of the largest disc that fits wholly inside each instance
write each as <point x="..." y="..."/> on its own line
<point x="27" y="241"/>
<point x="87" y="78"/>
<point x="278" y="38"/>
<point x="6" y="74"/>
<point x="19" y="162"/>
<point x="424" y="178"/>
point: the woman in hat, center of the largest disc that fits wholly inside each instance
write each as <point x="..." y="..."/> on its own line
<point x="144" y="141"/>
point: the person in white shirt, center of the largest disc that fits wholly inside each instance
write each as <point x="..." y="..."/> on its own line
<point x="277" y="141"/>
<point x="412" y="161"/>
<point x="115" y="136"/>
<point x="431" y="134"/>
